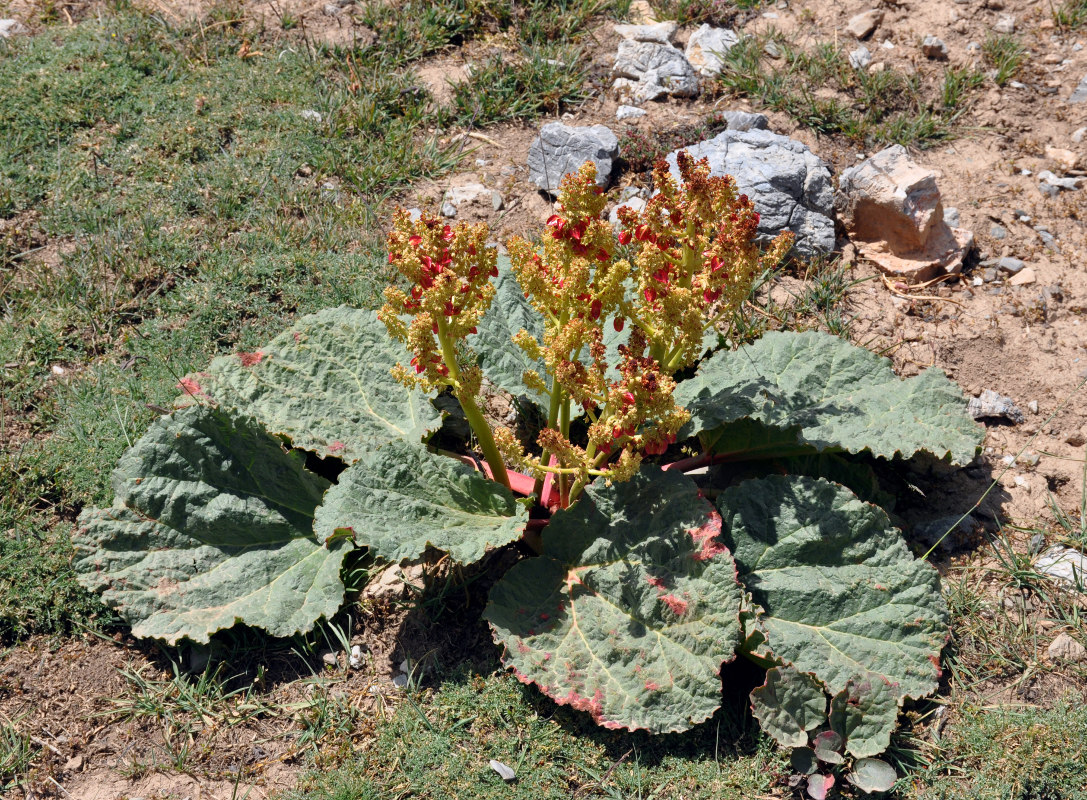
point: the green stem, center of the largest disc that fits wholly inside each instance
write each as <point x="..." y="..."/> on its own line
<point x="471" y="410"/>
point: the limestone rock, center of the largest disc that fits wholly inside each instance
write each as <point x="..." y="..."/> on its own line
<point x="864" y="24"/>
<point x="562" y="149"/>
<point x="11" y="27"/>
<point x="789" y="185"/>
<point x="638" y="92"/>
<point x="1063" y="564"/>
<point x="659" y="63"/>
<point x="628" y="112"/>
<point x="991" y="405"/>
<point x="1079" y="95"/>
<point x="892" y="209"/>
<point x="745" y="121"/>
<point x="933" y="47"/>
<point x="391" y="584"/>
<point x="1065" y="648"/>
<point x="860" y="58"/>
<point x="475" y="194"/>
<point x="660" y="32"/>
<point x="707" y="47"/>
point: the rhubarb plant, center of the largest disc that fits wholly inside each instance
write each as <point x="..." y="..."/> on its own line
<point x="638" y="581"/>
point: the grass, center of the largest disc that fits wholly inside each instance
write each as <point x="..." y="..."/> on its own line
<point x="164" y="199"/>
<point x="1004" y="54"/>
<point x="439" y="746"/>
<point x="1071" y="14"/>
<point x="866" y="107"/>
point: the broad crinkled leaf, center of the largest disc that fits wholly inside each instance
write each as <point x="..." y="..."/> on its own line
<point x="401" y="498"/>
<point x="503" y="362"/>
<point x="631" y="609"/>
<point x="864" y="713"/>
<point x="841" y="595"/>
<point x="211" y="526"/>
<point x="788" y="705"/>
<point x="839" y="395"/>
<point x="325" y="384"/>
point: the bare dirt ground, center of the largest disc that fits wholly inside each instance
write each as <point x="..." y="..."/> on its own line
<point x="1026" y="341"/>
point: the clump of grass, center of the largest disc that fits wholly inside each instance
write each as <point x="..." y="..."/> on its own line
<point x="1004" y="54"/>
<point x="869" y="108"/>
<point x="1071" y="14"/>
<point x="536" y="81"/>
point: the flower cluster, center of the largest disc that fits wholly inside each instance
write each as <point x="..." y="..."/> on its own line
<point x="449" y="271"/>
<point x="616" y="328"/>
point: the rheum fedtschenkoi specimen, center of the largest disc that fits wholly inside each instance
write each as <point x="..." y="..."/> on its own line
<point x="693" y="261"/>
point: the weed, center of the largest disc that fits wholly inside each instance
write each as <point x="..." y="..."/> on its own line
<point x="1004" y="53"/>
<point x="539" y="79"/>
<point x="1071" y="14"/>
<point x="958" y="81"/>
<point x="721" y="13"/>
<point x="16" y="753"/>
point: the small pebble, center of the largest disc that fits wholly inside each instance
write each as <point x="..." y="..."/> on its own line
<point x="310" y="115"/>
<point x="356" y="659"/>
<point x="1032" y="406"/>
<point x="400" y="681"/>
<point x="997" y="232"/>
<point x="933" y="47"/>
<point x="507" y="774"/>
<point x="951" y="217"/>
<point x="1079" y="135"/>
<point x="1037" y="542"/>
<point x="1005" y="24"/>
<point x="629" y="112"/>
<point x="329" y="659"/>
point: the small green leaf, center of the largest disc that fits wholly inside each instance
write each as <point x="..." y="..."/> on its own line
<point x="211" y="526"/>
<point x="325" y="384"/>
<point x="841" y="397"/>
<point x="865" y="713"/>
<point x="873" y="775"/>
<point x="399" y="499"/>
<point x="788" y="705"/>
<point x="631" y="609"/>
<point x="503" y="362"/>
<point x="841" y="595"/>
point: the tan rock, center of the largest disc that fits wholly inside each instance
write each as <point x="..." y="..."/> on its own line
<point x="660" y="32"/>
<point x="864" y="24"/>
<point x="1024" y="277"/>
<point x="1065" y="159"/>
<point x="893" y="212"/>
<point x="392" y="583"/>
<point x="1065" y="648"/>
<point x="641" y="13"/>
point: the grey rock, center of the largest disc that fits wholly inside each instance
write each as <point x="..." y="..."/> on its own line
<point x="1079" y="134"/>
<point x="415" y="214"/>
<point x="1047" y="238"/>
<point x="745" y="121"/>
<point x="628" y="112"/>
<point x="1079" y="95"/>
<point x="1009" y="264"/>
<point x="990" y="405"/>
<point x="707" y="47"/>
<point x="333" y="10"/>
<point x="631" y="191"/>
<point x="860" y="58"/>
<point x="561" y="149"/>
<point x="998" y="231"/>
<point x="1063" y="563"/>
<point x="659" y="32"/>
<point x="1065" y="648"/>
<point x="1037" y="542"/>
<point x="448" y="210"/>
<point x="668" y="66"/>
<point x="1060" y="183"/>
<point x="640" y="91"/>
<point x="973" y="47"/>
<point x="951" y="216"/>
<point x="934" y="48"/>
<point x="959" y="533"/>
<point x="864" y="24"/>
<point x="772" y="49"/>
<point x="11" y="27"/>
<point x="789" y="185"/>
<point x="636" y="203"/>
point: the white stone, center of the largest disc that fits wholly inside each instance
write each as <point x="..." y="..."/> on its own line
<point x="1064" y="564"/>
<point x="860" y="58"/>
<point x="644" y="61"/>
<point x="11" y="27"/>
<point x="629" y="112"/>
<point x="707" y="47"/>
<point x="1005" y="24"/>
<point x="660" y="32"/>
<point x="309" y="114"/>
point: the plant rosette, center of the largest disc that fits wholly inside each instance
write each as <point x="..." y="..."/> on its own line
<point x="642" y="583"/>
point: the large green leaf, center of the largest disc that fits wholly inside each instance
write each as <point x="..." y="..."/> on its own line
<point x="325" y="384"/>
<point x="501" y="360"/>
<point x="401" y="498"/>
<point x="839" y="395"/>
<point x="211" y="526"/>
<point x="631" y="609"/>
<point x="840" y="594"/>
<point x="865" y="713"/>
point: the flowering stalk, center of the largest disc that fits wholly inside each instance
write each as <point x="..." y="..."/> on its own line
<point x="449" y="271"/>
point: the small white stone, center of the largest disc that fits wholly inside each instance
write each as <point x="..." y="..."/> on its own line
<point x="507" y="773"/>
<point x="1065" y="648"/>
<point x="57" y="369"/>
<point x="1079" y="135"/>
<point x="356" y="659"/>
<point x="1032" y="406"/>
<point x="11" y="27"/>
<point x="629" y="112"/>
<point x="1005" y="24"/>
<point x="400" y="681"/>
<point x="310" y="115"/>
<point x="329" y="658"/>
